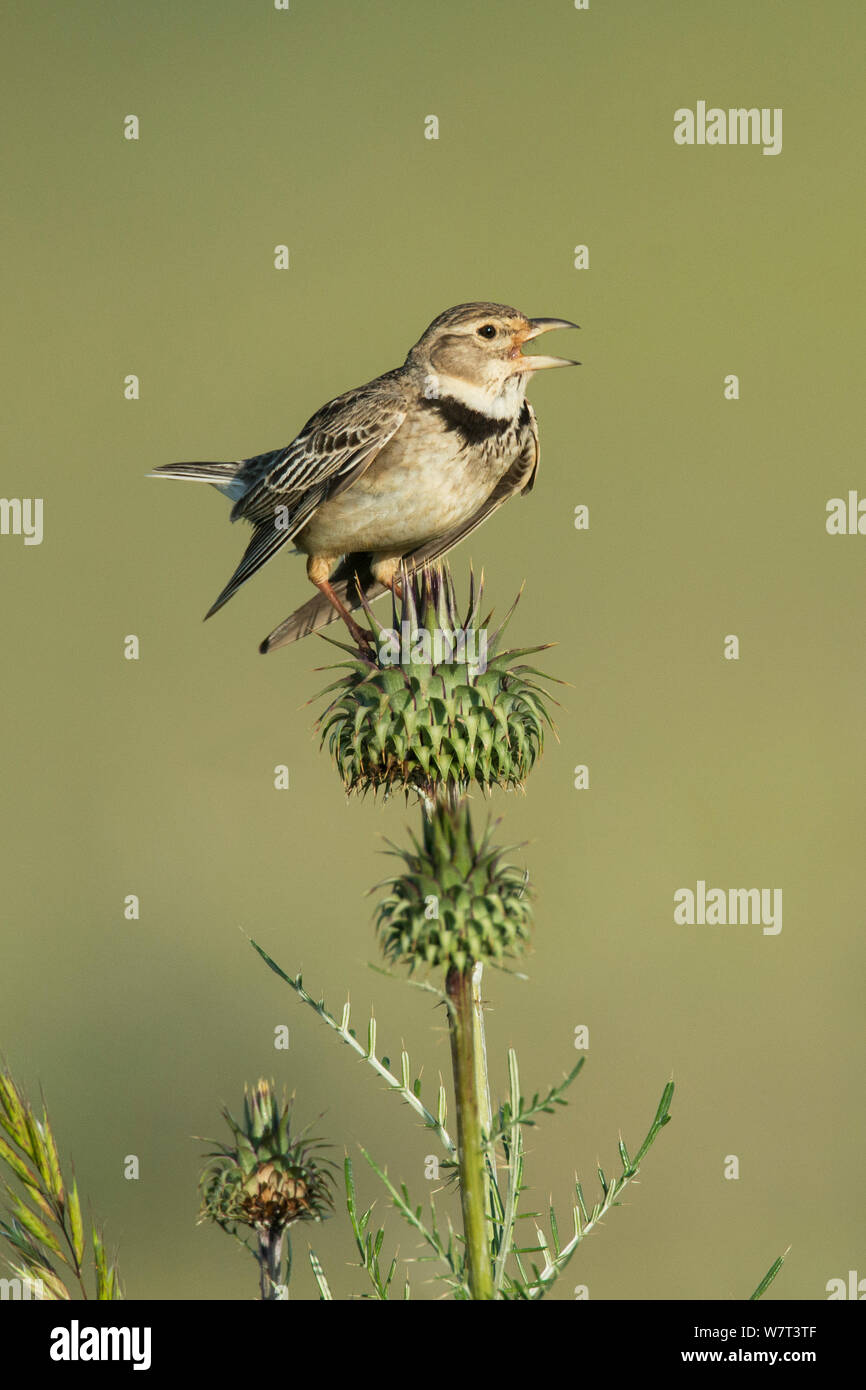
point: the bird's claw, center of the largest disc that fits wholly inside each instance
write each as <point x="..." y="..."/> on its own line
<point x="365" y="639"/>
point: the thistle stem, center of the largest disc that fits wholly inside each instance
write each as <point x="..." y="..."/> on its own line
<point x="270" y="1260"/>
<point x="482" y="1080"/>
<point x="469" y="1089"/>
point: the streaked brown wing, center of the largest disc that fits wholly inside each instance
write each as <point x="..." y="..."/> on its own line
<point x="286" y="487"/>
<point x="355" y="570"/>
<point x="264" y="543"/>
<point x="335" y="446"/>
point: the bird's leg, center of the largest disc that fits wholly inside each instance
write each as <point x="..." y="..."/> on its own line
<point x="318" y="572"/>
<point x="385" y="568"/>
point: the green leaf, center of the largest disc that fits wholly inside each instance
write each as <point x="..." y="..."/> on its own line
<point x="18" y="1166"/>
<point x="107" y="1288"/>
<point x="545" y="1278"/>
<point x="768" y="1278"/>
<point x="36" y="1226"/>
<point x="36" y="1148"/>
<point x="12" y="1117"/>
<point x="325" y="1294"/>
<point x="76" y="1224"/>
<point x="55" y="1175"/>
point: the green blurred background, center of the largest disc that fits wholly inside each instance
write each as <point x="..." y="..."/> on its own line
<point x="707" y="517"/>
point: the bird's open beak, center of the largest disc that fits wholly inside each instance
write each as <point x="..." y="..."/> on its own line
<point x="522" y="363"/>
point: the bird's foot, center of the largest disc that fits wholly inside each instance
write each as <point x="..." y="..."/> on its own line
<point x="365" y="639"/>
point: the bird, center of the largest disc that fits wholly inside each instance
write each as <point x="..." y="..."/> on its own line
<point x="393" y="474"/>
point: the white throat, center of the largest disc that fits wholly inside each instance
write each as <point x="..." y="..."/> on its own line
<point x="502" y="405"/>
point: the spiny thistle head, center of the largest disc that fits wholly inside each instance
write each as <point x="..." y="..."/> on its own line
<point x="456" y="902"/>
<point x="267" y="1179"/>
<point x="436" y="705"/>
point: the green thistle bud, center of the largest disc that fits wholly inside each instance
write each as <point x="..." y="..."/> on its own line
<point x="456" y="902"/>
<point x="436" y="706"/>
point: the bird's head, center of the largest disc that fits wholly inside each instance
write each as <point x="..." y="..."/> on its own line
<point x="475" y="351"/>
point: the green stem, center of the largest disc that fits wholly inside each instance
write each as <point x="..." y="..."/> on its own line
<point x="482" y="1083"/>
<point x="471" y="1161"/>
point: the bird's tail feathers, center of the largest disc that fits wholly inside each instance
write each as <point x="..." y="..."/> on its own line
<point x="317" y="612"/>
<point x="222" y="476"/>
<point x="352" y="575"/>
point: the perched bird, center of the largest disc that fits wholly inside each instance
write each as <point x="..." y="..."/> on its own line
<point x="400" y="469"/>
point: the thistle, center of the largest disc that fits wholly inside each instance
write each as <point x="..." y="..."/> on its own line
<point x="436" y="706"/>
<point x="267" y="1180"/>
<point x="433" y="705"/>
<point x="456" y="902"/>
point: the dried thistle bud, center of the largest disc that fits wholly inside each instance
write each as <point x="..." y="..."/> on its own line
<point x="267" y="1179"/>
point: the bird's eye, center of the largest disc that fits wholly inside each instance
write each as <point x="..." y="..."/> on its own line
<point x="487" y="330"/>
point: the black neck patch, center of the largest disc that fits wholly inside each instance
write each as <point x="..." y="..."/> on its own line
<point x="473" y="426"/>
